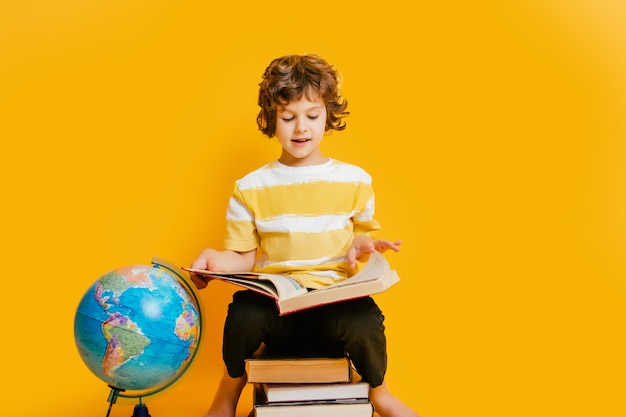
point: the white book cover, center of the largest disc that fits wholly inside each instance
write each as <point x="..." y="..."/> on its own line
<point x="276" y="393"/>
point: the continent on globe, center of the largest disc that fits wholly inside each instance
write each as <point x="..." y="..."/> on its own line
<point x="122" y="343"/>
<point x="186" y="327"/>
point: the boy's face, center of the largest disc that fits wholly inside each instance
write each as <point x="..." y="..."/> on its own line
<point x="300" y="127"/>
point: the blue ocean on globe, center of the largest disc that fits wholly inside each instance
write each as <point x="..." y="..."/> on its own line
<point x="138" y="327"/>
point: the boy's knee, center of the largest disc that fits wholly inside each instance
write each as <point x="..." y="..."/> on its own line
<point x="361" y="316"/>
<point x="249" y="305"/>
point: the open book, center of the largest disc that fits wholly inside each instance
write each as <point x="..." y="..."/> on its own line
<point x="374" y="277"/>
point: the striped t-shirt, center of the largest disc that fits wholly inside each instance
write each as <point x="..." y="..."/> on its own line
<point x="301" y="219"/>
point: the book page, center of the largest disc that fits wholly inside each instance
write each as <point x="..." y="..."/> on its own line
<point x="376" y="267"/>
<point x="278" y="286"/>
<point x="250" y="283"/>
<point x="286" y="287"/>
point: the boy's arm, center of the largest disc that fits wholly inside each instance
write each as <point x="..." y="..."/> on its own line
<point x="221" y="261"/>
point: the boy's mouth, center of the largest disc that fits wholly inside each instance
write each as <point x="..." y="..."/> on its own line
<point x="300" y="140"/>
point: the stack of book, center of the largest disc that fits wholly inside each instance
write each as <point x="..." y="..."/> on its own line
<point x="307" y="387"/>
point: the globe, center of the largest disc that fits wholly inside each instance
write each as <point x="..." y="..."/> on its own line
<point x="138" y="327"/>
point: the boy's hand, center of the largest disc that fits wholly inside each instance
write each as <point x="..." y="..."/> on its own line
<point x="200" y="281"/>
<point x="206" y="260"/>
<point x="384" y="245"/>
<point x="221" y="261"/>
<point x="364" y="245"/>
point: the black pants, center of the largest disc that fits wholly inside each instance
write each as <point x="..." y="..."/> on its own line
<point x="354" y="327"/>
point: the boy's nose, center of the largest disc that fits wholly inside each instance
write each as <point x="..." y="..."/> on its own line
<point x="300" y="126"/>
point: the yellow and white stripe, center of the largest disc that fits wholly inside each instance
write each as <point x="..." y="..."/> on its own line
<point x="302" y="219"/>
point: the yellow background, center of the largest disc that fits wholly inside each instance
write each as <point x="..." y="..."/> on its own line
<point x="494" y="132"/>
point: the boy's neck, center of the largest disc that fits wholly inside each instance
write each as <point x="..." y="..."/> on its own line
<point x="295" y="163"/>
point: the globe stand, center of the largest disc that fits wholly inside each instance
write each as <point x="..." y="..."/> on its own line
<point x="140" y="410"/>
<point x="113" y="395"/>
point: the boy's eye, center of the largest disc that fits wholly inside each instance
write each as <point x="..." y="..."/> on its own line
<point x="310" y="117"/>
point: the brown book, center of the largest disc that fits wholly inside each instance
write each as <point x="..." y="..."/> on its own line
<point x="298" y="370"/>
<point x="290" y="295"/>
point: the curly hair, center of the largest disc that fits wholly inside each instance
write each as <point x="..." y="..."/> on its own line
<point x="290" y="78"/>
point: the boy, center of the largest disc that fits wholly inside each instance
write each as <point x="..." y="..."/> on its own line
<point x="308" y="216"/>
